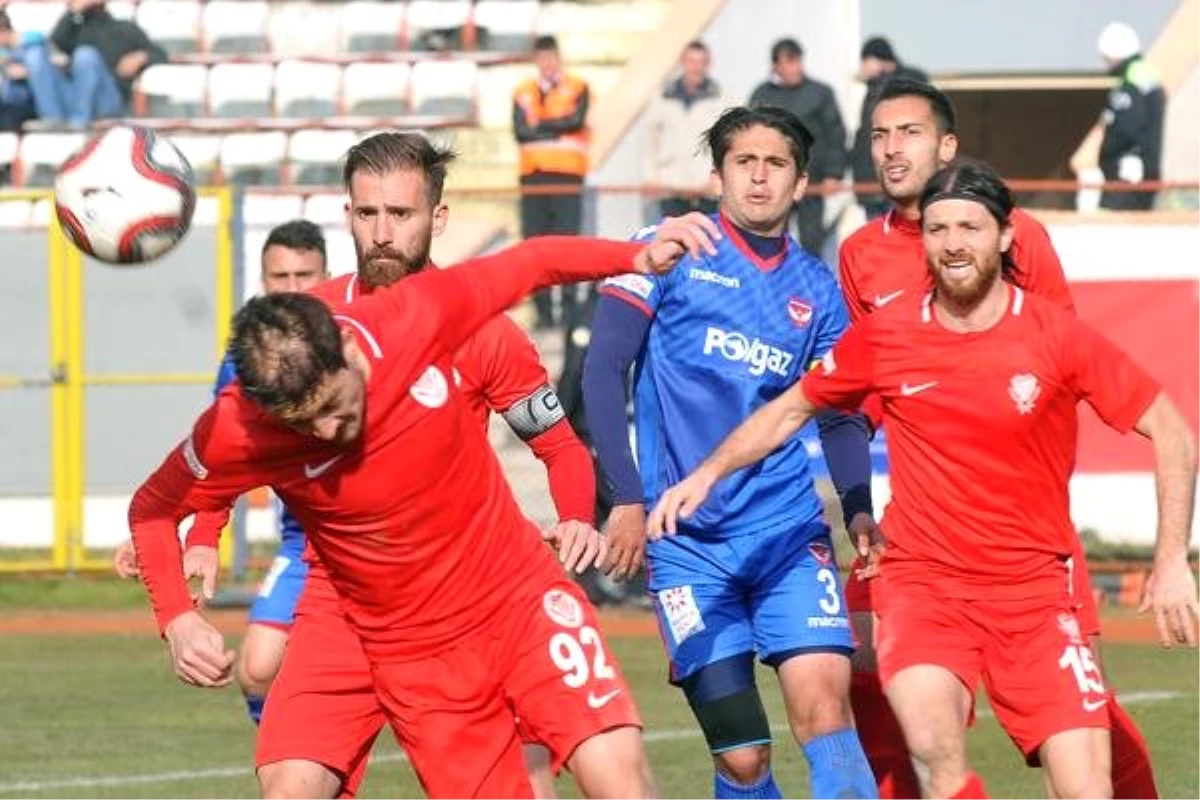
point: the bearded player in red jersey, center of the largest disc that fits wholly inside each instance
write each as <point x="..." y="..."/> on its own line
<point x="978" y="382"/>
<point x="463" y="616"/>
<point x="498" y="369"/>
<point x="913" y="135"/>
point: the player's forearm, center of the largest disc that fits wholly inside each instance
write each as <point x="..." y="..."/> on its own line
<point x="1175" y="479"/>
<point x="761" y="434"/>
<point x="206" y="529"/>
<point x="160" y="563"/>
<point x="845" y="440"/>
<point x="569" y="472"/>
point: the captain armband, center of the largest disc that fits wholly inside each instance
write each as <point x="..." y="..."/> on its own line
<point x="536" y="414"/>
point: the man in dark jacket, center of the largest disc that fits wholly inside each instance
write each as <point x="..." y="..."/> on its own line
<point x="106" y="56"/>
<point x="813" y="102"/>
<point x="1131" y="150"/>
<point x="879" y="65"/>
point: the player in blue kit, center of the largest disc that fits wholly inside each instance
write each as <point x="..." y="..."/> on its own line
<point x="752" y="572"/>
<point x="293" y="259"/>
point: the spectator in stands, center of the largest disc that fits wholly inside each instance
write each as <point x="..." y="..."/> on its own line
<point x="16" y="98"/>
<point x="813" y="102"/>
<point x="675" y="123"/>
<point x="106" y="56"/>
<point x="878" y="66"/>
<point x="550" y="125"/>
<point x="1131" y="150"/>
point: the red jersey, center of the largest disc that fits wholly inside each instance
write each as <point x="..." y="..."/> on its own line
<point x="414" y="523"/>
<point x="498" y="369"/>
<point x="884" y="260"/>
<point x="981" y="436"/>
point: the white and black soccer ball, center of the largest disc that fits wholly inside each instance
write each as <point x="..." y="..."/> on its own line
<point x="126" y="196"/>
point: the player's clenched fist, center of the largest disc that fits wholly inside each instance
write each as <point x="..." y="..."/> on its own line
<point x="579" y="545"/>
<point x="680" y="501"/>
<point x="198" y="652"/>
<point x="125" y="560"/>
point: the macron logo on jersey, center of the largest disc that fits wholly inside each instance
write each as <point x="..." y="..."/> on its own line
<point x="709" y="276"/>
<point x="760" y="356"/>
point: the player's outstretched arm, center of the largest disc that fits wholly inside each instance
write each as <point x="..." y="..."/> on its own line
<point x="761" y="434"/>
<point x="1171" y="589"/>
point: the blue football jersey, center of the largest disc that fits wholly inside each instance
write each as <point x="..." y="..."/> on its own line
<point x="730" y="332"/>
<point x="291" y="535"/>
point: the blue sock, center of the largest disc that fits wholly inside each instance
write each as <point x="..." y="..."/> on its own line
<point x="765" y="788"/>
<point x="839" y="767"/>
<point x="254" y="707"/>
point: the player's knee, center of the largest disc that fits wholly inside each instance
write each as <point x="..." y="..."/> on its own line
<point x="1082" y="784"/>
<point x="725" y="700"/>
<point x="613" y="764"/>
<point x="296" y="778"/>
<point x="745" y="765"/>
<point x="255" y="671"/>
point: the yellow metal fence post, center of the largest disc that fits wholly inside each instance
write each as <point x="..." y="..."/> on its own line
<point x="60" y="430"/>
<point x="223" y="311"/>
<point x="76" y="418"/>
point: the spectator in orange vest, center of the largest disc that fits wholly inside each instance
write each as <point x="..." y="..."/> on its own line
<point x="550" y="125"/>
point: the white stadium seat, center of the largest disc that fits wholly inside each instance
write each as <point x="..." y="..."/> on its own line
<point x="506" y="25"/>
<point x="307" y="89"/>
<point x="240" y="90"/>
<point x="15" y="213"/>
<point x="9" y="143"/>
<point x="236" y="26"/>
<point x="436" y="24"/>
<point x="30" y="16"/>
<point x="122" y="9"/>
<point x="174" y="24"/>
<point x="174" y="90"/>
<point x="254" y="159"/>
<point x="445" y="88"/>
<point x="316" y="156"/>
<point x="326" y="209"/>
<point x="202" y="152"/>
<point x="376" y="89"/>
<point x="270" y="209"/>
<point x="371" y="26"/>
<point x="41" y="154"/>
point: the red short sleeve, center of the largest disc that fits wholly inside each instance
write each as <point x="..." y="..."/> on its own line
<point x="845" y="376"/>
<point x="1107" y="377"/>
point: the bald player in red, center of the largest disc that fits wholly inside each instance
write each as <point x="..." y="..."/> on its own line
<point x="979" y="382"/>
<point x="913" y="135"/>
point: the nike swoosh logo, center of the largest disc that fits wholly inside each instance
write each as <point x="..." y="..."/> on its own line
<point x="317" y="471"/>
<point x="882" y="300"/>
<point x="909" y="389"/>
<point x="1094" y="705"/>
<point x="600" y="702"/>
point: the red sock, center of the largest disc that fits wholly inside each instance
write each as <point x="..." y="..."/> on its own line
<point x="1132" y="775"/>
<point x="973" y="789"/>
<point x="882" y="740"/>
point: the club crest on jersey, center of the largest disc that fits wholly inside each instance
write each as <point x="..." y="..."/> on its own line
<point x="799" y="312"/>
<point x="1070" y="627"/>
<point x="821" y="553"/>
<point x="562" y="608"/>
<point x="1024" y="390"/>
<point x="431" y="389"/>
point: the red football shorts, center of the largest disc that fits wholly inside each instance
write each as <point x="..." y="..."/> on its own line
<point x="1031" y="654"/>
<point x="859" y="598"/>
<point x="453" y="712"/>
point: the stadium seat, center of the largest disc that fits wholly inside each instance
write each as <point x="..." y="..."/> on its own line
<point x="122" y="9"/>
<point x="326" y="209"/>
<point x="445" y="88"/>
<point x="15" y="213"/>
<point x="316" y="156"/>
<point x="339" y="245"/>
<point x="240" y="90"/>
<point x="203" y="153"/>
<point x="307" y="89"/>
<point x="41" y="154"/>
<point x="505" y="25"/>
<point x="269" y="210"/>
<point x="254" y="159"/>
<point x="174" y="24"/>
<point x="174" y="90"/>
<point x="30" y="16"/>
<point x="371" y="26"/>
<point x="436" y="25"/>
<point x="236" y="26"/>
<point x="9" y="144"/>
<point x="376" y="89"/>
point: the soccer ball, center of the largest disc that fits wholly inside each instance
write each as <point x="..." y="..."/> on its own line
<point x="126" y="196"/>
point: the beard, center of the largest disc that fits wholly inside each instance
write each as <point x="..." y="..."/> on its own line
<point x="967" y="294"/>
<point x="383" y="266"/>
